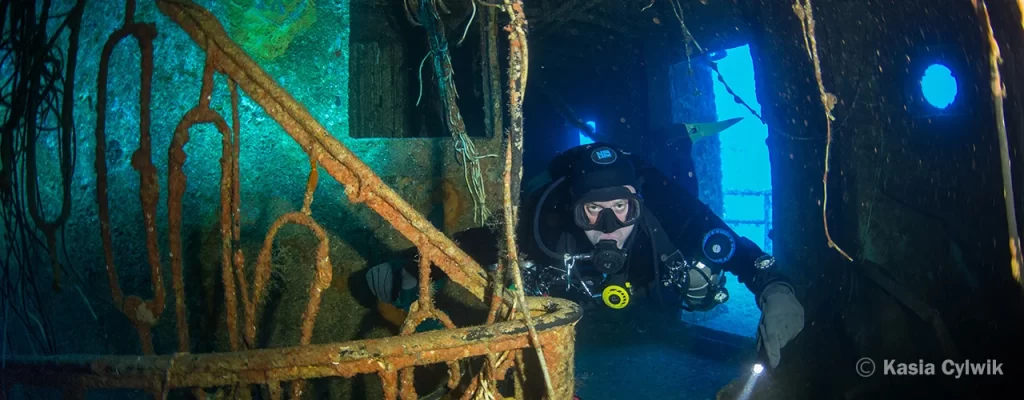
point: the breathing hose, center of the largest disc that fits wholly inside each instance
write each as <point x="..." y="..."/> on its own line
<point x="536" y="221"/>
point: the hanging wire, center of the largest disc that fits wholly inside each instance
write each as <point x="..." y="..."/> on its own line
<point x="37" y="101"/>
<point x="691" y="43"/>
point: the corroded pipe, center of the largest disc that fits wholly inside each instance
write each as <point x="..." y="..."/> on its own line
<point x="361" y="184"/>
<point x="268" y="366"/>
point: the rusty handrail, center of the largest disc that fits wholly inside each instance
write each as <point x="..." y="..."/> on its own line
<point x="361" y="184"/>
<point x="158" y="373"/>
<point x="502" y="343"/>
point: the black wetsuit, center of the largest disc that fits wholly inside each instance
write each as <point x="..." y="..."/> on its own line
<point x="673" y="217"/>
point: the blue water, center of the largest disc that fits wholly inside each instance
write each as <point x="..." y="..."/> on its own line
<point x="746" y="183"/>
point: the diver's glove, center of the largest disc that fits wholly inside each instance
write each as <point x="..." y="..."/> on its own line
<point x="782" y="318"/>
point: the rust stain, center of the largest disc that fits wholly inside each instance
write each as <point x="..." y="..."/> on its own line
<point x="392" y="314"/>
<point x="453" y="203"/>
<point x="340" y="283"/>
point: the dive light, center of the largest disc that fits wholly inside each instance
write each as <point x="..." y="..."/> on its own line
<point x="757" y="370"/>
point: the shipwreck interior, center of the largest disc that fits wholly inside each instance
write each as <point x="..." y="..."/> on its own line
<point x="192" y="188"/>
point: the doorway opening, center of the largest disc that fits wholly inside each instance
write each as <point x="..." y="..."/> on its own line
<point x="746" y="187"/>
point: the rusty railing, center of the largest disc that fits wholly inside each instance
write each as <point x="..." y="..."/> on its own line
<point x="501" y="342"/>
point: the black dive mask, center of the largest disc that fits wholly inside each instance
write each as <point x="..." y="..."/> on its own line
<point x="607" y="221"/>
<point x="607" y="257"/>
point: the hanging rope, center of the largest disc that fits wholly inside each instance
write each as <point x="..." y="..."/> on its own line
<point x="828" y="100"/>
<point x="998" y="93"/>
<point x="517" y="78"/>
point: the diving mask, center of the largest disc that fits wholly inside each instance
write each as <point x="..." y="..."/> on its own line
<point x="607" y="221"/>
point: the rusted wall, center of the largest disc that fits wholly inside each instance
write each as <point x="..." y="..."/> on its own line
<point x="919" y="196"/>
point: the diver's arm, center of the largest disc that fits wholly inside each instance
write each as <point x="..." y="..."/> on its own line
<point x="688" y="222"/>
<point x="755" y="268"/>
<point x="745" y="259"/>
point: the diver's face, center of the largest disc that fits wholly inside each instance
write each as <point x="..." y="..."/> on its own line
<point x="620" y="207"/>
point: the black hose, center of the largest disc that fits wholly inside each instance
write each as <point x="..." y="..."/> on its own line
<point x="536" y="221"/>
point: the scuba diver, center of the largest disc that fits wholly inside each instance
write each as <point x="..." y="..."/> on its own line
<point x="608" y="227"/>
